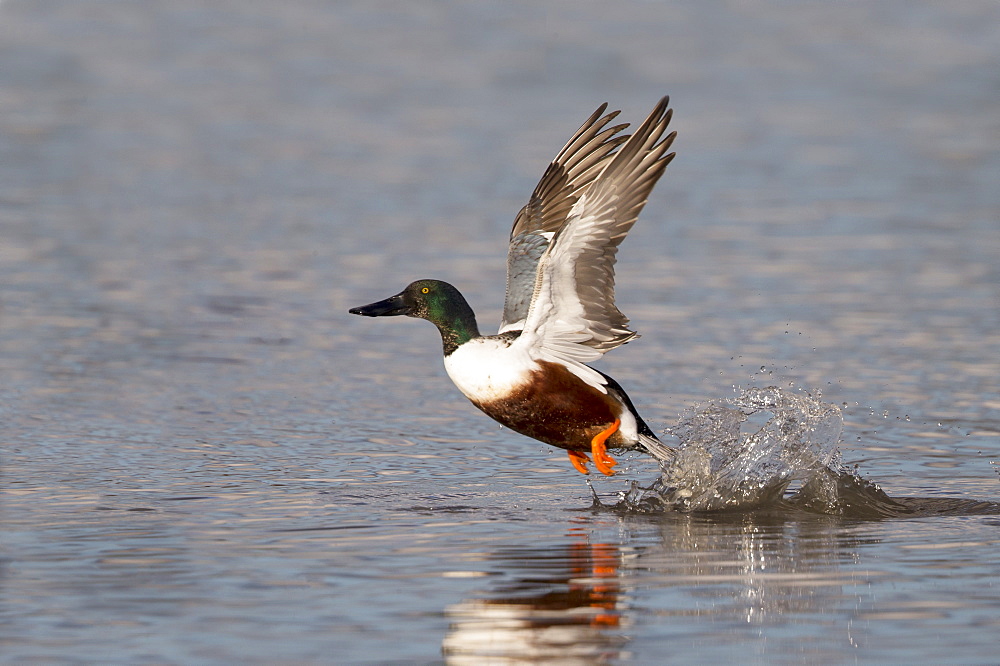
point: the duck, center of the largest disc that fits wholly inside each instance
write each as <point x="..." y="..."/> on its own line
<point x="533" y="376"/>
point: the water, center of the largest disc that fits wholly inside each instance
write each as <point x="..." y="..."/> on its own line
<point x="207" y="460"/>
<point x="726" y="461"/>
<point x="746" y="453"/>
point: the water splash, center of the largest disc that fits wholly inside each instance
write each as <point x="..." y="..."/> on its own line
<point x="776" y="449"/>
<point x="747" y="451"/>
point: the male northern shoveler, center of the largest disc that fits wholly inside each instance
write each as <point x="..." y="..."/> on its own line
<point x="560" y="309"/>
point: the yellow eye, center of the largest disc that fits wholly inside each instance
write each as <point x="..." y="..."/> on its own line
<point x="425" y="290"/>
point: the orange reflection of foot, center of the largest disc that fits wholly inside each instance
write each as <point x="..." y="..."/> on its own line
<point x="597" y="566"/>
<point x="605" y="620"/>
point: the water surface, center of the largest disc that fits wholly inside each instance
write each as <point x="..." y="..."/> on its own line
<point x="207" y="460"/>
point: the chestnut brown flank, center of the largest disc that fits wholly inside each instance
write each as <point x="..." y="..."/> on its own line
<point x="552" y="408"/>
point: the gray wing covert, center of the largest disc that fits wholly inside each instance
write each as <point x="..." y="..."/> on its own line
<point x="522" y="266"/>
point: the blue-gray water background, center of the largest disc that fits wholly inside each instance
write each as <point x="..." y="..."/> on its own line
<point x="207" y="460"/>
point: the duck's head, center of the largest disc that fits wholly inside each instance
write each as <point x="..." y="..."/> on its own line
<point x="422" y="299"/>
<point x="433" y="300"/>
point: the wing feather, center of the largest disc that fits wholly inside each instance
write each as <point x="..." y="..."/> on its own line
<point x="573" y="318"/>
<point x="574" y="168"/>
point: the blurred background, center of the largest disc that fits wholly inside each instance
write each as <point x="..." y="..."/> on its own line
<point x="192" y="195"/>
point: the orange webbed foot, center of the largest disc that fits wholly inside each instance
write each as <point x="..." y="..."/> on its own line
<point x="579" y="461"/>
<point x="602" y="460"/>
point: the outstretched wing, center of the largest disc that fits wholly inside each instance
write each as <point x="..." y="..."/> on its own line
<point x="573" y="318"/>
<point x="573" y="170"/>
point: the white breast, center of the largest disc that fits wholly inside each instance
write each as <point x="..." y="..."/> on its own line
<point x="488" y="368"/>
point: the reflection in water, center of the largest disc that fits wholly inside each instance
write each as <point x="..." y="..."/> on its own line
<point x="563" y="604"/>
<point x="755" y="568"/>
<point x="571" y="601"/>
<point x="568" y="602"/>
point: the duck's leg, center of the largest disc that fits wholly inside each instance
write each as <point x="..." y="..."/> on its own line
<point x="602" y="460"/>
<point x="579" y="461"/>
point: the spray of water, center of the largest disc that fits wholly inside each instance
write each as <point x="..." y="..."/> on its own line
<point x="747" y="451"/>
<point x="767" y="447"/>
<point x="770" y="449"/>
